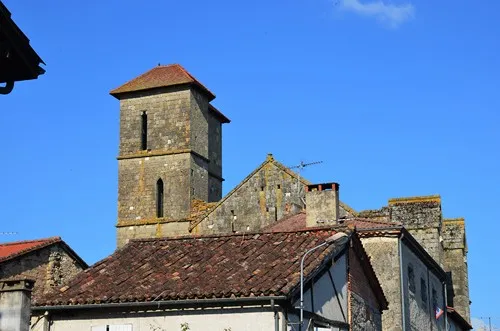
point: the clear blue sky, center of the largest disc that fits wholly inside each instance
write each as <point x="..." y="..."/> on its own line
<point x="396" y="100"/>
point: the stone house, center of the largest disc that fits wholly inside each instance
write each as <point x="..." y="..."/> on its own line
<point x="444" y="239"/>
<point x="247" y="281"/>
<point x="50" y="262"/>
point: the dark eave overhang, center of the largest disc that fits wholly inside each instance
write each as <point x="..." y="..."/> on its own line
<point x="215" y="302"/>
<point x="18" y="60"/>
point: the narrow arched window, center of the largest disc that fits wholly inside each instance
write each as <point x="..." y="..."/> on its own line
<point x="159" y="198"/>
<point x="144" y="131"/>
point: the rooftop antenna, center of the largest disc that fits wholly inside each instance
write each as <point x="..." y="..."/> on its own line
<point x="6" y="233"/>
<point x="299" y="168"/>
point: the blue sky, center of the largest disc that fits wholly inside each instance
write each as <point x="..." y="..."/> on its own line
<point x="396" y="99"/>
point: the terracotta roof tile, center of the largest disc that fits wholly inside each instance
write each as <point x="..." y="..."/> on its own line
<point x="161" y="76"/>
<point x="14" y="249"/>
<point x="265" y="264"/>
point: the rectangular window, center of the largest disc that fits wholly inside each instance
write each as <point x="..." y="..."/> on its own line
<point x="144" y="131"/>
<point x="423" y="291"/>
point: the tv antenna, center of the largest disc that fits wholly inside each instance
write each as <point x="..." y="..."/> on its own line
<point x="299" y="168"/>
<point x="6" y="233"/>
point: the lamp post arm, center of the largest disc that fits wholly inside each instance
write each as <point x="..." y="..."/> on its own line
<point x="302" y="279"/>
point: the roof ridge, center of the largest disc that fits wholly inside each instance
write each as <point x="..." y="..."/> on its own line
<point x="195" y="80"/>
<point x="55" y="238"/>
<point x="371" y="220"/>
<point x="241" y="234"/>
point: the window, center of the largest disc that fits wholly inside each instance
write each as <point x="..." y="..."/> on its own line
<point x="159" y="198"/>
<point x="144" y="131"/>
<point x="116" y="327"/>
<point x="423" y="291"/>
<point x="434" y="298"/>
<point x="411" y="278"/>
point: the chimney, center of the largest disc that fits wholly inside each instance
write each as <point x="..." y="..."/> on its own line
<point x="15" y="304"/>
<point x="322" y="204"/>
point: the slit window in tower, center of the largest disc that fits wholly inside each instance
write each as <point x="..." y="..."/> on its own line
<point x="144" y="131"/>
<point x="159" y="198"/>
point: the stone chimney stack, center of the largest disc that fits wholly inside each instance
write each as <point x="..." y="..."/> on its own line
<point x="15" y="304"/>
<point x="322" y="204"/>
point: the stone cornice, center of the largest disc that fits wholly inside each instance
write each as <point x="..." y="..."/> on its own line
<point x="160" y="152"/>
<point x="418" y="199"/>
<point x="149" y="221"/>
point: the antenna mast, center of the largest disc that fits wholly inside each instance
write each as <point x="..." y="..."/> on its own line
<point x="301" y="167"/>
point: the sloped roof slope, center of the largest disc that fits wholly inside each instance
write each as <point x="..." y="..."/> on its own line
<point x="161" y="76"/>
<point x="12" y="250"/>
<point x="266" y="264"/>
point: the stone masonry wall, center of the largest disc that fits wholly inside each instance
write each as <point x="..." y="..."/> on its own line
<point x="365" y="309"/>
<point x="384" y="257"/>
<point x="430" y="240"/>
<point x="215" y="145"/>
<point x="364" y="316"/>
<point x="455" y="261"/>
<point x="137" y="187"/>
<point x="422" y="217"/>
<point x="168" y="120"/>
<point x="49" y="267"/>
<point x="156" y="230"/>
<point x="268" y="195"/>
<point x="423" y="291"/>
<point x="199" y="123"/>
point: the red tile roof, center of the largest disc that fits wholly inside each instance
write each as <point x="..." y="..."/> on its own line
<point x="14" y="249"/>
<point x="161" y="76"/>
<point x="266" y="264"/>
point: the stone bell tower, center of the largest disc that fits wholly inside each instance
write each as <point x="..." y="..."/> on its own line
<point x="170" y="152"/>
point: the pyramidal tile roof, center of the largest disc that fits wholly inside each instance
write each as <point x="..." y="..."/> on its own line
<point x="17" y="248"/>
<point x="161" y="76"/>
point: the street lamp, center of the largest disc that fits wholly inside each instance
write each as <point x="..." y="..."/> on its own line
<point x="328" y="241"/>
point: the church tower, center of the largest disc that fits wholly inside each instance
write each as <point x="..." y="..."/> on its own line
<point x="170" y="153"/>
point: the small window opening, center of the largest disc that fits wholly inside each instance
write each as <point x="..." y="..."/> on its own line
<point x="411" y="278"/>
<point x="144" y="131"/>
<point x="423" y="291"/>
<point x="159" y="198"/>
<point x="434" y="299"/>
<point x="267" y="209"/>
<point x="233" y="219"/>
<point x="262" y="188"/>
<point x="279" y="187"/>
